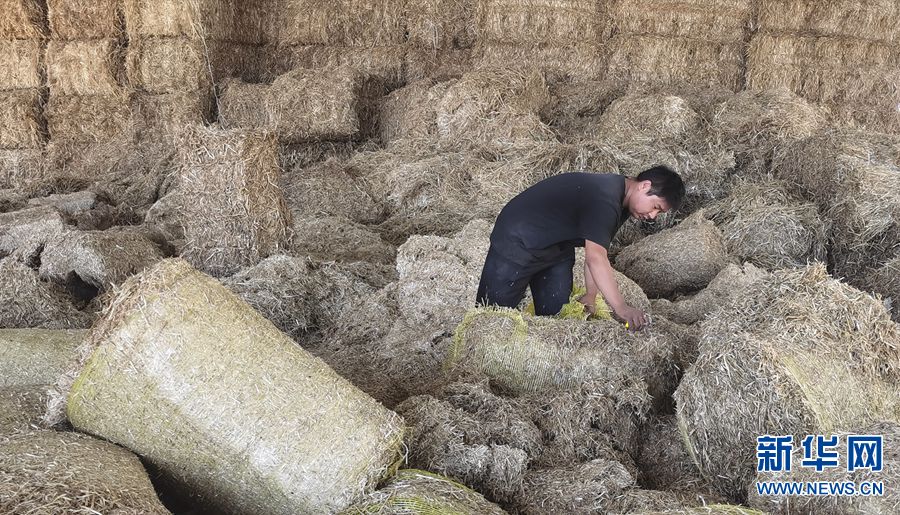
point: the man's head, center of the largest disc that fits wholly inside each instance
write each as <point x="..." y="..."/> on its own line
<point x="654" y="191"/>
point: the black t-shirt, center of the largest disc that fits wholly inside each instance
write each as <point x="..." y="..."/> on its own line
<point x="544" y="222"/>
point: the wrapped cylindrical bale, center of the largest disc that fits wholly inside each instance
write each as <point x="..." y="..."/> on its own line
<point x="764" y="223"/>
<point x="21" y="407"/>
<point x="417" y="492"/>
<point x="525" y="354"/>
<point x="360" y="23"/>
<point x="726" y="287"/>
<point x="440" y="24"/>
<point x="664" y="461"/>
<point x="88" y="119"/>
<point x="329" y="188"/>
<point x="21" y="119"/>
<point x="385" y="63"/>
<point x="755" y="123"/>
<point x="234" y="211"/>
<point x="584" y="488"/>
<point x="28" y="302"/>
<point x="852" y="176"/>
<point x="160" y="117"/>
<point x="877" y="20"/>
<point x="19" y="167"/>
<point x="712" y="20"/>
<point x="675" y="60"/>
<point x="23" y="19"/>
<point x="85" y="19"/>
<point x="27" y="230"/>
<point x="92" y="67"/>
<point x="577" y="62"/>
<point x="339" y="239"/>
<point x="677" y="260"/>
<point x="23" y="62"/>
<point x="855" y="79"/>
<point x="835" y="371"/>
<point x="31" y="357"/>
<point x="218" y="352"/>
<point x="838" y="504"/>
<point x="450" y="441"/>
<point x="63" y="472"/>
<point x="103" y="259"/>
<point x="559" y="23"/>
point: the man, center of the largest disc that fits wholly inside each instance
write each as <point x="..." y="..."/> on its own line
<point x="533" y="242"/>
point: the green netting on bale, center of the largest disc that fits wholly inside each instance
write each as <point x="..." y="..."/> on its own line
<point x="225" y="405"/>
<point x="575" y="310"/>
<point x="417" y="492"/>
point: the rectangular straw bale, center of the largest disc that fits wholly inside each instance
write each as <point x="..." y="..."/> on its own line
<point x="385" y="63"/>
<point x="671" y="60"/>
<point x="87" y="119"/>
<point x="712" y="20"/>
<point x="160" y="117"/>
<point x="243" y="105"/>
<point x="22" y="62"/>
<point x="536" y="22"/>
<point x="210" y="19"/>
<point x="92" y="67"/>
<point x="360" y="23"/>
<point x="165" y="65"/>
<point x="85" y="19"/>
<point x="877" y="20"/>
<point x="21" y="120"/>
<point x="18" y="167"/>
<point x="236" y="214"/>
<point x="580" y="62"/>
<point x="441" y="24"/>
<point x="22" y="19"/>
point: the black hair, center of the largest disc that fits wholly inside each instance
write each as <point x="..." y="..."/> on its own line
<point x="666" y="184"/>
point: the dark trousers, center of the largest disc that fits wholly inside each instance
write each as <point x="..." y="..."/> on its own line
<point x="503" y="282"/>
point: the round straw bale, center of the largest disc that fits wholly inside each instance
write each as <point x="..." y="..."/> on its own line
<point x="28" y="302"/>
<point x="56" y="472"/>
<point x="681" y="259"/>
<point x="754" y="123"/>
<point x="834" y="504"/>
<point x="728" y="285"/>
<point x="664" y="461"/>
<point x="584" y="488"/>
<point x="453" y="442"/>
<point x="764" y="223"/>
<point x="28" y="230"/>
<point x="219" y="351"/>
<point x="329" y="188"/>
<point x="103" y="259"/>
<point x="340" y="239"/>
<point x="35" y="356"/>
<point x="417" y="492"/>
<point x="818" y="356"/>
<point x="21" y="407"/>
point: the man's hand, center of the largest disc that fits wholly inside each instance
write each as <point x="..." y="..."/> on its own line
<point x="589" y="302"/>
<point x="635" y="318"/>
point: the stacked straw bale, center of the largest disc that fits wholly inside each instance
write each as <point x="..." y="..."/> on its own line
<point x="304" y="105"/>
<point x="764" y="223"/>
<point x="441" y="24"/>
<point x="23" y="28"/>
<point x="856" y="79"/>
<point x="234" y="212"/>
<point x="385" y="63"/>
<point x="30" y="357"/>
<point x="30" y="302"/>
<point x="681" y="259"/>
<point x="818" y="355"/>
<point x="853" y="177"/>
<point x="355" y="23"/>
<point x="417" y="492"/>
<point x="838" y="505"/>
<point x="21" y="407"/>
<point x="876" y="20"/>
<point x="62" y="472"/>
<point x="727" y="21"/>
<point x="220" y="351"/>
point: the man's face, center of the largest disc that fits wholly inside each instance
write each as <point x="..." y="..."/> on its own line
<point x="644" y="206"/>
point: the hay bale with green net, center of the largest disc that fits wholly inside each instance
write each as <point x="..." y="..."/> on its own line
<point x="330" y="188"/>
<point x="852" y="176"/>
<point x="28" y="302"/>
<point x="21" y="407"/>
<point x="712" y="20"/>
<point x="62" y="472"/>
<point x="23" y="61"/>
<point x="27" y="231"/>
<point x="234" y="211"/>
<point x="833" y="504"/>
<point x="455" y="443"/>
<point x="339" y="239"/>
<point x="93" y="67"/>
<point x="764" y="223"/>
<point x="21" y="119"/>
<point x="877" y="20"/>
<point x="681" y="259"/>
<point x="535" y="22"/>
<point x="417" y="492"/>
<point x="756" y="123"/>
<point x="727" y="286"/>
<point x="31" y="357"/>
<point x="819" y="355"/>
<point x="103" y="259"/>
<point x="220" y="351"/>
<point x="82" y="20"/>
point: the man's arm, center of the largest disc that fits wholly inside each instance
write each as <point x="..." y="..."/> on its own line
<point x="599" y="277"/>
